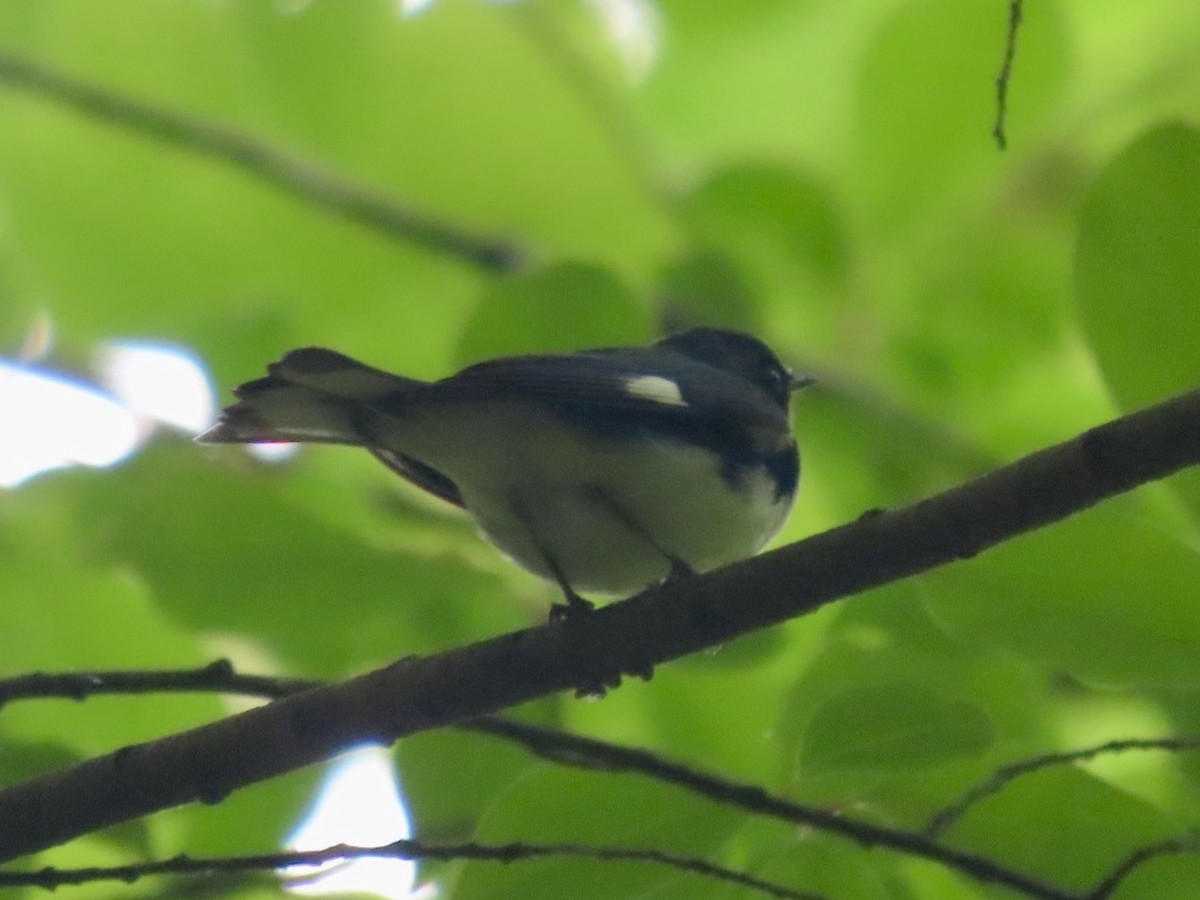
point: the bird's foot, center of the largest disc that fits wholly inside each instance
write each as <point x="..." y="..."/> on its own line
<point x="575" y="606"/>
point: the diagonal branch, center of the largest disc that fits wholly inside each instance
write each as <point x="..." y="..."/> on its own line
<point x="205" y="764"/>
<point x="942" y="820"/>
<point x="592" y="754"/>
<point x="287" y="171"/>
<point x="1138" y="858"/>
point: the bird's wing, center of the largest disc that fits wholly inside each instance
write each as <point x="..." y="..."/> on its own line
<point x="418" y="473"/>
<point x="627" y="384"/>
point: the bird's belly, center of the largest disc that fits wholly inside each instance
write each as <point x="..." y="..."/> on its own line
<point x="612" y="521"/>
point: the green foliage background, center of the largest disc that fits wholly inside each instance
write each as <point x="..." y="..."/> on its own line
<point x="819" y="172"/>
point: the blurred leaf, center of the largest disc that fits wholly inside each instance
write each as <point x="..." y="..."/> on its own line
<point x="1095" y="596"/>
<point x="1030" y="822"/>
<point x="1138" y="266"/>
<point x="706" y="289"/>
<point x="225" y="553"/>
<point x="451" y="778"/>
<point x="827" y="865"/>
<point x="780" y="226"/>
<point x="555" y="805"/>
<point x="70" y="617"/>
<point x="1161" y="877"/>
<point x="1138" y="272"/>
<point x="892" y="725"/>
<point x="563" y="307"/>
<point x="894" y="712"/>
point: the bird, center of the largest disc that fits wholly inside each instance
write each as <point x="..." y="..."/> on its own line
<point x="605" y="470"/>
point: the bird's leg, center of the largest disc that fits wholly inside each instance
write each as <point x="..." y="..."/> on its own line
<point x="679" y="567"/>
<point x="575" y="604"/>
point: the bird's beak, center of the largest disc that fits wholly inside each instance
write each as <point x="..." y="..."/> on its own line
<point x="801" y="381"/>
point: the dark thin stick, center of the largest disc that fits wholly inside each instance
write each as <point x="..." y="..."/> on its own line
<point x="1135" y="860"/>
<point x="1015" y="11"/>
<point x="592" y="754"/>
<point x="942" y="820"/>
<point x="51" y="878"/>
<point x="217" y="677"/>
<point x="297" y="176"/>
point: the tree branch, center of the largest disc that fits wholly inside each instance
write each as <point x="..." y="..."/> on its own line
<point x="590" y="753"/>
<point x="291" y="173"/>
<point x="599" y="755"/>
<point x="683" y="616"/>
<point x="1137" y="859"/>
<point x="1004" y="77"/>
<point x="943" y="819"/>
<point x="51" y="878"/>
<point x="217" y="677"/>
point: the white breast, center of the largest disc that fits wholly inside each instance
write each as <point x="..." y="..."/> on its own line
<point x="536" y="492"/>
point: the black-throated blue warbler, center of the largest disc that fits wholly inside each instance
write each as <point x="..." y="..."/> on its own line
<point x="604" y="470"/>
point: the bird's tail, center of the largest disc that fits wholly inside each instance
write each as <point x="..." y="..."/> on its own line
<point x="309" y="395"/>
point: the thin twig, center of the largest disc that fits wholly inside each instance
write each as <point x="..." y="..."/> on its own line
<point x="51" y="878"/>
<point x="944" y="818"/>
<point x="300" y="177"/>
<point x="216" y="677"/>
<point x="1015" y="14"/>
<point x="599" y="755"/>
<point x="1138" y="858"/>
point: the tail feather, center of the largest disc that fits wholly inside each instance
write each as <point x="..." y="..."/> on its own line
<point x="309" y="395"/>
<point x="336" y="374"/>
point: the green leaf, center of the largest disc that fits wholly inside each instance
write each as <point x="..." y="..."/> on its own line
<point x="451" y="777"/>
<point x="226" y="552"/>
<point x="554" y="804"/>
<point x="926" y="101"/>
<point x="893" y="725"/>
<point x="565" y="306"/>
<point x="1098" y="596"/>
<point x="1138" y="266"/>
<point x="782" y="230"/>
<point x="1030" y="822"/>
<point x="1137" y="272"/>
<point x="73" y="617"/>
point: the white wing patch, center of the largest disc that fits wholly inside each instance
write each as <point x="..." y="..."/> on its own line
<point x="656" y="389"/>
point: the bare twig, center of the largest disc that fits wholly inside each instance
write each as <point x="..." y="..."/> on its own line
<point x="1138" y="858"/>
<point x="1015" y="13"/>
<point x="599" y="755"/>
<point x="51" y="878"/>
<point x="297" y="176"/>
<point x="680" y="617"/>
<point x="944" y="818"/>
<point x="217" y="677"/>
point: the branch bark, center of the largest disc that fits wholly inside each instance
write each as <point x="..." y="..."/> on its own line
<point x="205" y="764"/>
